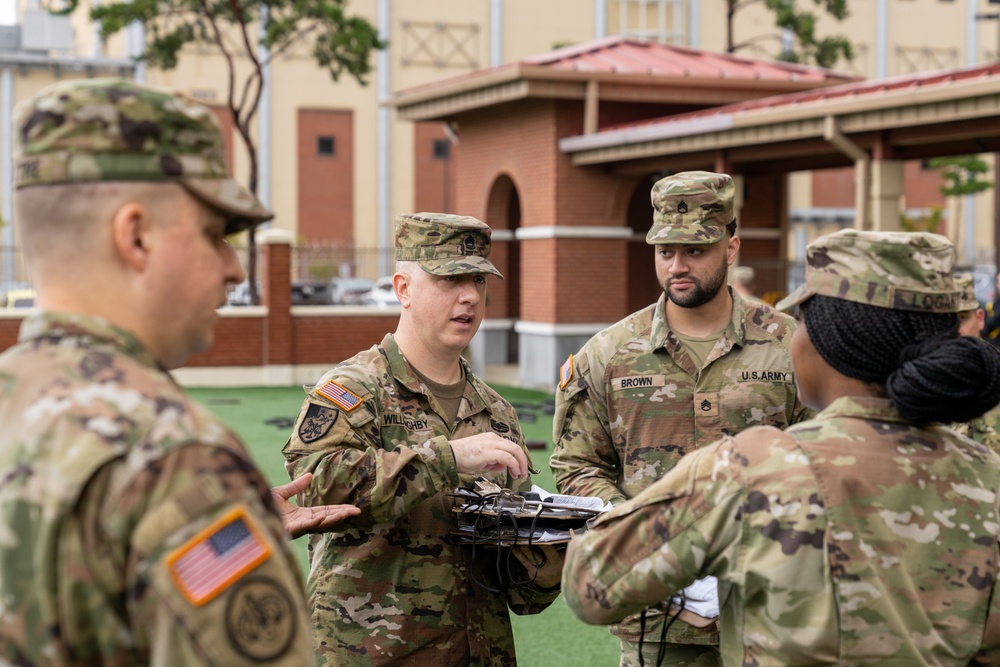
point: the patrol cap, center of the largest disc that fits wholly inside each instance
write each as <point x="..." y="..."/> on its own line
<point x="118" y="130"/>
<point x="444" y="244"/>
<point x="897" y="270"/>
<point x="967" y="286"/>
<point x="691" y="207"/>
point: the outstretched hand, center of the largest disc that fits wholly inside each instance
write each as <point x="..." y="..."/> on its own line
<point x="301" y="520"/>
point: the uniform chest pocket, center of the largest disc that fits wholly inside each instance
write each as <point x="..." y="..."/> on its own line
<point x="756" y="397"/>
<point x="399" y="428"/>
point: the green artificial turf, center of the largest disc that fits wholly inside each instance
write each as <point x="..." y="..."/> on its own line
<point x="263" y="417"/>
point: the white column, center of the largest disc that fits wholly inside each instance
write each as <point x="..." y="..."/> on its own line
<point x="264" y="118"/>
<point x="496" y="33"/>
<point x="383" y="189"/>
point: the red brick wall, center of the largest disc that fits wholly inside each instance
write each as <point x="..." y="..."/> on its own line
<point x="921" y="189"/>
<point x="431" y="192"/>
<point x="591" y="279"/>
<point x="764" y="207"/>
<point x="833" y="187"/>
<point x="9" y="327"/>
<point x="563" y="280"/>
<point x="239" y="341"/>
<point x="329" y="339"/>
<point x="326" y="183"/>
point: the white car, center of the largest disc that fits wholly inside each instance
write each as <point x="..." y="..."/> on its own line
<point x="381" y="294"/>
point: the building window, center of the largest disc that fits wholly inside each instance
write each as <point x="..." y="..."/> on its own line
<point x="326" y="146"/>
<point x="442" y="149"/>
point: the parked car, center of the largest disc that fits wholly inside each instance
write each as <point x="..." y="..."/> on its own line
<point x="311" y="293"/>
<point x="239" y="295"/>
<point x="18" y="298"/>
<point x="381" y="294"/>
<point x="349" y="291"/>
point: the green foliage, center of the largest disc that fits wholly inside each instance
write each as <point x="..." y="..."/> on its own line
<point x="962" y="174"/>
<point x="923" y="223"/>
<point x="340" y="43"/>
<point x="808" y="49"/>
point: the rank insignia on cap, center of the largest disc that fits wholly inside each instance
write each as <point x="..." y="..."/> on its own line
<point x="566" y="372"/>
<point x="340" y="395"/>
<point x="221" y="554"/>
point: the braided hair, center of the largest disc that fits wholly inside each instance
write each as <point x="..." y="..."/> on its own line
<point x="930" y="372"/>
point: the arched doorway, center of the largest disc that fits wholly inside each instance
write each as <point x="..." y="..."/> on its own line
<point x="503" y="215"/>
<point x="643" y="289"/>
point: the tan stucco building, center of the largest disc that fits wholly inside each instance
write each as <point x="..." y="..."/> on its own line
<point x="339" y="159"/>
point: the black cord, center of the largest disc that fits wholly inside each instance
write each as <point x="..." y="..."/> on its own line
<point x="479" y="509"/>
<point x="669" y="618"/>
<point x="536" y="561"/>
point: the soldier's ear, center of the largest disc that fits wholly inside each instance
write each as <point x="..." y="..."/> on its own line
<point x="401" y="283"/>
<point x="732" y="249"/>
<point x="130" y="225"/>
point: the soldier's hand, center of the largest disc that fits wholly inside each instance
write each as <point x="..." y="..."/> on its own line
<point x="544" y="562"/>
<point x="488" y="452"/>
<point x="301" y="520"/>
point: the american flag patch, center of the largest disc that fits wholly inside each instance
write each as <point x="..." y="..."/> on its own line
<point x="210" y="561"/>
<point x="340" y="395"/>
<point x="566" y="372"/>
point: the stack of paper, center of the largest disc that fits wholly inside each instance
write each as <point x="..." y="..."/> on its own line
<point x="490" y="515"/>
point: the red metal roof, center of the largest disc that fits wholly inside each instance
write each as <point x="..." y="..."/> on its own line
<point x="856" y="89"/>
<point x="621" y="55"/>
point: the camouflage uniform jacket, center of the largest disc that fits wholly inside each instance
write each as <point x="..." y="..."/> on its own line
<point x="633" y="403"/>
<point x="984" y="430"/>
<point x="393" y="587"/>
<point x="114" y="484"/>
<point x="852" y="539"/>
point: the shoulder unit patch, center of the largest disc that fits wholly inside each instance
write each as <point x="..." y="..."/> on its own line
<point x="317" y="422"/>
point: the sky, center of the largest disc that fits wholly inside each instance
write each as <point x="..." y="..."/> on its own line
<point x="8" y="12"/>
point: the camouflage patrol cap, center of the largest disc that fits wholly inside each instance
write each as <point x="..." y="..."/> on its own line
<point x="896" y="270"/>
<point x="967" y="300"/>
<point x="444" y="244"/>
<point x="691" y="207"/>
<point x="119" y="130"/>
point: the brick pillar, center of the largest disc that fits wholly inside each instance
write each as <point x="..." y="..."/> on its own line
<point x="276" y="277"/>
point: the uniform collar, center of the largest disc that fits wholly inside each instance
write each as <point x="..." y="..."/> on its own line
<point x="475" y="389"/>
<point x="55" y="326"/>
<point x="862" y="407"/>
<point x="661" y="336"/>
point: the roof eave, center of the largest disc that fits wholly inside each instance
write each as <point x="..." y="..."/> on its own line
<point x="521" y="81"/>
<point x="801" y="120"/>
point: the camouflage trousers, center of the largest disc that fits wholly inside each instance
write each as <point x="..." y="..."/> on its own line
<point x="675" y="655"/>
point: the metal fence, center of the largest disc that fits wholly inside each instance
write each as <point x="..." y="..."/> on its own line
<point x="322" y="261"/>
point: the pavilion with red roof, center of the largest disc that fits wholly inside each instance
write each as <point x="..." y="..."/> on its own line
<point x="558" y="152"/>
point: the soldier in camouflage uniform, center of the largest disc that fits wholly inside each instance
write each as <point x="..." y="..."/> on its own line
<point x="700" y="363"/>
<point x="136" y="529"/>
<point x="866" y="536"/>
<point x="393" y="430"/>
<point x="984" y="429"/>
